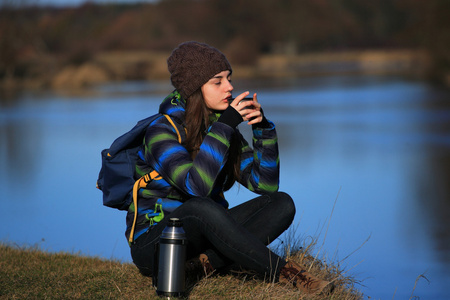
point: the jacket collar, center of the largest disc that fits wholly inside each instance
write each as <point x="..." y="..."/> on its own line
<point x="174" y="105"/>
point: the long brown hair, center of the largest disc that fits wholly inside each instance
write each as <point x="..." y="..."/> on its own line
<point x="197" y="122"/>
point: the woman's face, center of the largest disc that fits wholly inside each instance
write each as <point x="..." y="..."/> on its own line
<point x="217" y="91"/>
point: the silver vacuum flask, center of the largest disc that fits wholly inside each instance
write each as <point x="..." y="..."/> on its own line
<point x="172" y="259"/>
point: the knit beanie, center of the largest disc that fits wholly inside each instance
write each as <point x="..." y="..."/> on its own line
<point x="192" y="64"/>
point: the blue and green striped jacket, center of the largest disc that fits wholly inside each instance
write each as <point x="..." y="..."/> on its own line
<point x="183" y="178"/>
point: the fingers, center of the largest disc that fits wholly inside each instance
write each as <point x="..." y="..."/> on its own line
<point x="254" y="117"/>
<point x="250" y="110"/>
<point x="238" y="99"/>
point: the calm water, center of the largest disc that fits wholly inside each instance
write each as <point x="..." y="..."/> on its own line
<point x="377" y="148"/>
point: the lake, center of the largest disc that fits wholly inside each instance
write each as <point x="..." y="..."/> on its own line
<point x="366" y="159"/>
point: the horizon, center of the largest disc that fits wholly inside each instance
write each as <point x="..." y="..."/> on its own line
<point x="71" y="3"/>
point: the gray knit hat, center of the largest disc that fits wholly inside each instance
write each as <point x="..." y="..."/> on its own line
<point x="192" y="64"/>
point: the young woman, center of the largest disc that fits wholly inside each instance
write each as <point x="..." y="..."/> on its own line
<point x="199" y="153"/>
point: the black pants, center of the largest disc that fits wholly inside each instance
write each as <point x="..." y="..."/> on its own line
<point x="238" y="236"/>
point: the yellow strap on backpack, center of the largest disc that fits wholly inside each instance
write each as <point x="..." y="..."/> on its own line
<point x="176" y="129"/>
<point x="142" y="182"/>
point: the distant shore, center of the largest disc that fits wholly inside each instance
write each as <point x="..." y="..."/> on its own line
<point x="123" y="66"/>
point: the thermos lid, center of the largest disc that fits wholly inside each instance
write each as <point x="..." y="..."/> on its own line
<point x="175" y="222"/>
<point x="173" y="230"/>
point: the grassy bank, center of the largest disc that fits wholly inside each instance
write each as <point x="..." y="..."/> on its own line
<point x="33" y="274"/>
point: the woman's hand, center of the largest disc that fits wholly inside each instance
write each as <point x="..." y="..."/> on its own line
<point x="249" y="110"/>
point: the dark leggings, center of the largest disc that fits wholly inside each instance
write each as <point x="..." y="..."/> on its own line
<point x="238" y="236"/>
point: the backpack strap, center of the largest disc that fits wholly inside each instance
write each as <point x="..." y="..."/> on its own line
<point x="143" y="181"/>
<point x="173" y="124"/>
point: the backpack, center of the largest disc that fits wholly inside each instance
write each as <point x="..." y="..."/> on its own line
<point x="116" y="176"/>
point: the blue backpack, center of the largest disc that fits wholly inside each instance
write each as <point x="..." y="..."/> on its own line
<point x="116" y="177"/>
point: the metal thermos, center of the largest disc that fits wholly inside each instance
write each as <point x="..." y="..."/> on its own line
<point x="172" y="259"/>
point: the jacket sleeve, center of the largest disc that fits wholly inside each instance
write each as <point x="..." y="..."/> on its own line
<point x="174" y="163"/>
<point x="260" y="166"/>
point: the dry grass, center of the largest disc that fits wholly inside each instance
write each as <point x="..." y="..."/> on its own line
<point x="351" y="62"/>
<point x="33" y="274"/>
<point x="246" y="286"/>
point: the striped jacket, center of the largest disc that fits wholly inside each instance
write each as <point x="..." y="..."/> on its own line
<point x="182" y="178"/>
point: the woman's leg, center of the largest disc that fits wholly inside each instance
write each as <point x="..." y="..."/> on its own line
<point x="266" y="216"/>
<point x="209" y="226"/>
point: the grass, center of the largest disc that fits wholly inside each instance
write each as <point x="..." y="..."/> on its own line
<point x="28" y="273"/>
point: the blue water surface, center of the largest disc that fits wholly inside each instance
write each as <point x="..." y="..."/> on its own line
<point x="367" y="160"/>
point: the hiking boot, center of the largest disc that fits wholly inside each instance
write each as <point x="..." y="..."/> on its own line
<point x="199" y="267"/>
<point x="293" y="273"/>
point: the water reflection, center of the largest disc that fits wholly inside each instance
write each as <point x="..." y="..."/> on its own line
<point x="16" y="155"/>
<point x="383" y="143"/>
<point x="431" y="177"/>
<point x="432" y="195"/>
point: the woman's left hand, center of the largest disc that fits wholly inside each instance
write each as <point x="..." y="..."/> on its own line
<point x="250" y="110"/>
<point x="256" y="116"/>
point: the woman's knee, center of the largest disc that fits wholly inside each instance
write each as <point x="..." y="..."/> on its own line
<point x="286" y="204"/>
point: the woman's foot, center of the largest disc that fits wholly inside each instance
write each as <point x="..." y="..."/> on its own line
<point x="293" y="273"/>
<point x="199" y="267"/>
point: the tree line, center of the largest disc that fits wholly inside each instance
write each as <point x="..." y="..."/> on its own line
<point x="243" y="29"/>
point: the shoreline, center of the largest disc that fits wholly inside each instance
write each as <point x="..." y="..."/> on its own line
<point x="124" y="66"/>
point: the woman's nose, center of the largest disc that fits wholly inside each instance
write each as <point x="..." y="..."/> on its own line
<point x="230" y="87"/>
